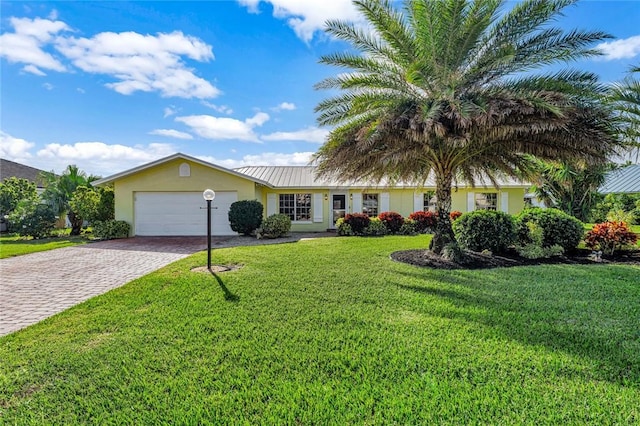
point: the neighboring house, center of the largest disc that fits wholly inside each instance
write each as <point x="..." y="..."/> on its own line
<point x="12" y="169"/>
<point x="164" y="197"/>
<point x="623" y="180"/>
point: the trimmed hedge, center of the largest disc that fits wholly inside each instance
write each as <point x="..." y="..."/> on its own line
<point x="245" y="216"/>
<point x="558" y="228"/>
<point x="485" y="230"/>
<point x="357" y="222"/>
<point x="275" y="226"/>
<point x="392" y="221"/>
<point x="424" y="221"/>
<point x="111" y="229"/>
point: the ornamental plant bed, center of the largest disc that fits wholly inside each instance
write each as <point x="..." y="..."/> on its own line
<point x="475" y="260"/>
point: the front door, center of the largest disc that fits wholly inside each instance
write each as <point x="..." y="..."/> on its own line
<point x="338" y="207"/>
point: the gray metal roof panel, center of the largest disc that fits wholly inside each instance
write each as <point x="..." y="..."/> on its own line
<point x="624" y="180"/>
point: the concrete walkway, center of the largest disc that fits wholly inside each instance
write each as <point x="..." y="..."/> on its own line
<point x="38" y="285"/>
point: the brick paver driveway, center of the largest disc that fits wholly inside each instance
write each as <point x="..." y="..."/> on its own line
<point x="36" y="286"/>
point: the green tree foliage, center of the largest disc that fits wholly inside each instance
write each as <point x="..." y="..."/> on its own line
<point x="13" y="190"/>
<point x="93" y="204"/>
<point x="456" y="90"/>
<point x="59" y="191"/>
<point x="625" y="97"/>
<point x="568" y="186"/>
<point x="31" y="218"/>
<point x="245" y="216"/>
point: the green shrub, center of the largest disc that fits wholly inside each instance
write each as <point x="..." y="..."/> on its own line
<point x="245" y="216"/>
<point x="535" y="249"/>
<point x="111" y="229"/>
<point x="409" y="227"/>
<point x="485" y="230"/>
<point x="343" y="229"/>
<point x="376" y="228"/>
<point x="392" y="221"/>
<point x="32" y="219"/>
<point x="357" y="221"/>
<point x="558" y="228"/>
<point x="275" y="226"/>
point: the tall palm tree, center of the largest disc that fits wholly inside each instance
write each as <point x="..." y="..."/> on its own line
<point x="449" y="89"/>
<point x="59" y="191"/>
<point x="625" y="97"/>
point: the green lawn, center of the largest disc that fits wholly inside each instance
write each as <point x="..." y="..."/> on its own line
<point x="330" y="331"/>
<point x="13" y="245"/>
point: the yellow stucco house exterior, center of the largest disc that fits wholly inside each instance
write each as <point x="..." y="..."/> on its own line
<point x="164" y="197"/>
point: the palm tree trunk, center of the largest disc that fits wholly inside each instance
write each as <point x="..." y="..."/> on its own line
<point x="76" y="223"/>
<point x="443" y="234"/>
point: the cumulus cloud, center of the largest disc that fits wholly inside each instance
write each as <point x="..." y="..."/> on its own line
<point x="99" y="158"/>
<point x="620" y="49"/>
<point x="285" y="106"/>
<point x="218" y="108"/>
<point x="224" y="128"/>
<point x="170" y="133"/>
<point x="26" y="44"/>
<point x="169" y="111"/>
<point x="143" y="62"/>
<point x="15" y="149"/>
<point x="33" y="70"/>
<point x="310" y="134"/>
<point x="308" y="16"/>
<point x="263" y="159"/>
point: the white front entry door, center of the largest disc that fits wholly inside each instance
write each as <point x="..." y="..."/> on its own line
<point x="339" y="207"/>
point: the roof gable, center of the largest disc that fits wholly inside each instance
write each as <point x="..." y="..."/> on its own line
<point x="12" y="169"/>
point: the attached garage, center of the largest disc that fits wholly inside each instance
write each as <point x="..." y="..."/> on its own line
<point x="181" y="213"/>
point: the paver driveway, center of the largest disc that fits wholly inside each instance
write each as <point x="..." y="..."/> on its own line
<point x="38" y="285"/>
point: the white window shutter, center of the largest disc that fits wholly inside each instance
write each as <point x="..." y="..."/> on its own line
<point x="418" y="202"/>
<point x="271" y="204"/>
<point x="504" y="202"/>
<point x="384" y="202"/>
<point x="356" y="202"/>
<point x="471" y="201"/>
<point x="317" y="207"/>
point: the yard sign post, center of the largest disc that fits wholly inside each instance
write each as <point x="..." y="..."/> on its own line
<point x="209" y="195"/>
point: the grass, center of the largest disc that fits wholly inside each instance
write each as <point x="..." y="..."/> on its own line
<point x="14" y="245"/>
<point x="330" y="331"/>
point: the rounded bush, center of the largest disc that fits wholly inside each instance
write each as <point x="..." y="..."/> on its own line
<point x="111" y="229"/>
<point x="357" y="221"/>
<point x="558" y="228"/>
<point x="376" y="228"/>
<point x="610" y="236"/>
<point x="276" y="226"/>
<point x="392" y="220"/>
<point x="409" y="227"/>
<point x="485" y="230"/>
<point x="32" y="219"/>
<point x="245" y="216"/>
<point x="424" y="221"/>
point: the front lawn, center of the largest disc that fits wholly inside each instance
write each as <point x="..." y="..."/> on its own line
<point x="13" y="245"/>
<point x="330" y="331"/>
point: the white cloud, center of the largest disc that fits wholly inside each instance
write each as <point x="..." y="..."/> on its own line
<point x="310" y="134"/>
<point x="47" y="86"/>
<point x="285" y="106"/>
<point x="143" y="62"/>
<point x="33" y="70"/>
<point x="14" y="149"/>
<point x="224" y="128"/>
<point x="171" y="133"/>
<point x="53" y="15"/>
<point x="620" y="49"/>
<point x="218" y="108"/>
<point x="169" y="111"/>
<point x="308" y="16"/>
<point x="263" y="159"/>
<point x="99" y="158"/>
<point x="26" y="44"/>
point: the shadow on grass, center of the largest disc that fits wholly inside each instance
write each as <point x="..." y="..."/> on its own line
<point x="568" y="308"/>
<point x="227" y="294"/>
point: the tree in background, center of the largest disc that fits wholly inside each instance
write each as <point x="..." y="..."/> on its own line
<point x="625" y="97"/>
<point x="93" y="204"/>
<point x="13" y="190"/>
<point x="449" y="89"/>
<point x="59" y="191"/>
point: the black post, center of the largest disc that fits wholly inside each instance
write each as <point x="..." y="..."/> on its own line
<point x="209" y="234"/>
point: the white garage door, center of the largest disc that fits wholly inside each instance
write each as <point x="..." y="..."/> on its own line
<point x="181" y="213"/>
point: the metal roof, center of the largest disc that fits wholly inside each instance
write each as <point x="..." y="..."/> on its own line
<point x="304" y="177"/>
<point x="626" y="179"/>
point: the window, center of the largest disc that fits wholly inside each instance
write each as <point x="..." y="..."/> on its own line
<point x="185" y="170"/>
<point x="487" y="201"/>
<point x="429" y="203"/>
<point x="296" y="206"/>
<point x="370" y="204"/>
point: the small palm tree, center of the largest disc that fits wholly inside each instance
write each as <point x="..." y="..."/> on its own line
<point x="625" y="97"/>
<point x="59" y="191"/>
<point x="447" y="89"/>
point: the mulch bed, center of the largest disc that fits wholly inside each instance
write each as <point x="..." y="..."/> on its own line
<point x="427" y="259"/>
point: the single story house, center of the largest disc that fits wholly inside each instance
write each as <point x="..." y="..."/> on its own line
<point x="164" y="197"/>
<point x="10" y="169"/>
<point x="625" y="180"/>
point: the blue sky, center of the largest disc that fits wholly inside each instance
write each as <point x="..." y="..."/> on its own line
<point x="112" y="85"/>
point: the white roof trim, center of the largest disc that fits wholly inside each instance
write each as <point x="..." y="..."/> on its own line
<point x="175" y="156"/>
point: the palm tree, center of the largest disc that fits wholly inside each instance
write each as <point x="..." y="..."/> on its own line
<point x="59" y="191"/>
<point x="625" y="97"/>
<point x="447" y="88"/>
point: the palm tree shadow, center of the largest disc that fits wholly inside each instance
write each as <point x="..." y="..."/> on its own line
<point x="228" y="295"/>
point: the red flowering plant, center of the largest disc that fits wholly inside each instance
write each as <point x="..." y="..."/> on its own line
<point x="454" y="215"/>
<point x="392" y="221"/>
<point x="357" y="221"/>
<point x="610" y="236"/>
<point x="425" y="221"/>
